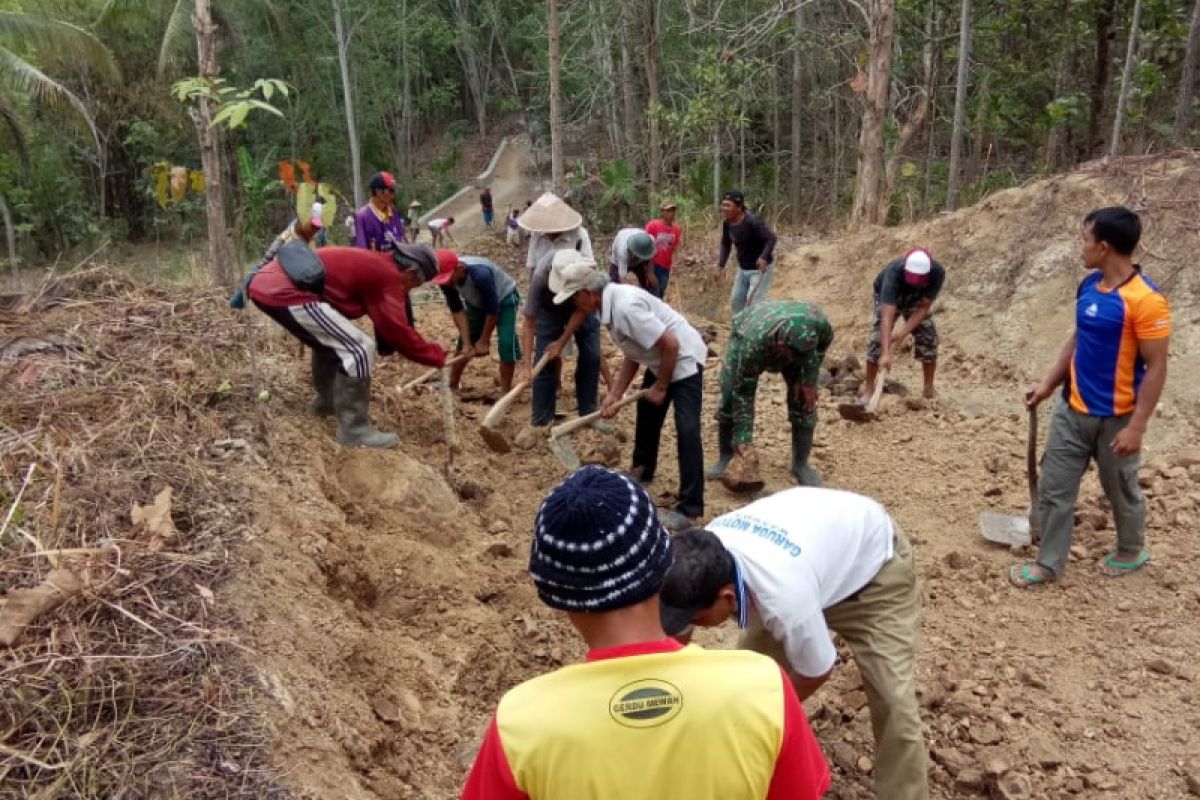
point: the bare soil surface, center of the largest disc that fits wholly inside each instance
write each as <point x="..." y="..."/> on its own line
<point x="383" y="603"/>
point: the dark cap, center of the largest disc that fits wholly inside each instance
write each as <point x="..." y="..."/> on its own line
<point x="382" y="180"/>
<point x="702" y="567"/>
<point x="736" y="196"/>
<point x="416" y="256"/>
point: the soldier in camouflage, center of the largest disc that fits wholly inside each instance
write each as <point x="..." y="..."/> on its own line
<point x="786" y="336"/>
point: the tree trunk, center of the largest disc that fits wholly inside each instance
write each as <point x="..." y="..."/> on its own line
<point x="1104" y="30"/>
<point x="220" y="266"/>
<point x="716" y="154"/>
<point x="912" y="126"/>
<point x="875" y="106"/>
<point x="602" y="45"/>
<point x="557" y="177"/>
<point x="797" y="115"/>
<point x="10" y="237"/>
<point x="406" y="96"/>
<point x="776" y="162"/>
<point x="339" y="31"/>
<point x="1114" y="146"/>
<point x="960" y="106"/>
<point x="1187" y="82"/>
<point x="654" y="154"/>
<point x="629" y="124"/>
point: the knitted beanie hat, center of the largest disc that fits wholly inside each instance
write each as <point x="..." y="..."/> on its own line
<point x="598" y="544"/>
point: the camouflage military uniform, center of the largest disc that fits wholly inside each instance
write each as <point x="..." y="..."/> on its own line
<point x="754" y="348"/>
<point x="925" y="335"/>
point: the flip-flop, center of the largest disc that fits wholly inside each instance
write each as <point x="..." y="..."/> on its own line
<point x="1119" y="569"/>
<point x="1022" y="577"/>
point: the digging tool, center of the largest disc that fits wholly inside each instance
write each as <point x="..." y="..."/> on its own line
<point x="487" y="428"/>
<point x="431" y="373"/>
<point x="448" y="418"/>
<point x="856" y="412"/>
<point x="561" y="447"/>
<point x="1014" y="529"/>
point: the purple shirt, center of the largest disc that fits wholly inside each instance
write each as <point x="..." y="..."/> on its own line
<point x="370" y="231"/>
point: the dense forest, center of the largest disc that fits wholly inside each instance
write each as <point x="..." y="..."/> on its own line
<point x="823" y="111"/>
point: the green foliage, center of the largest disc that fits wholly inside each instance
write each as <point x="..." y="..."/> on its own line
<point x="233" y="104"/>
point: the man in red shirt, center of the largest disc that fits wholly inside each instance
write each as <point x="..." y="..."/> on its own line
<point x="644" y="717"/>
<point x="667" y="237"/>
<point x="341" y="284"/>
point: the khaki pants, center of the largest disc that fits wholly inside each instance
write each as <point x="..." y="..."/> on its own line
<point x="881" y="624"/>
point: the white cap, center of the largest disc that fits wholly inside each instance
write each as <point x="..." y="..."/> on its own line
<point x="569" y="272"/>
<point x="918" y="262"/>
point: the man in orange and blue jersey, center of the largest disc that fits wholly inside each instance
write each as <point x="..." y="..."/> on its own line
<point x="643" y="717"/>
<point x="1113" y="369"/>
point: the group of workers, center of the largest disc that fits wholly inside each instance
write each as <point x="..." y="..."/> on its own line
<point x="790" y="567"/>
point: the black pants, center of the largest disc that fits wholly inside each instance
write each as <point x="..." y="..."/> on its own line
<point x="687" y="396"/>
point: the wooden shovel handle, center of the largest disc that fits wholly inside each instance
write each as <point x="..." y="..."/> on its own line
<point x="496" y="412"/>
<point x="576" y="424"/>
<point x="431" y="373"/>
<point x="1031" y="465"/>
<point x="880" y="380"/>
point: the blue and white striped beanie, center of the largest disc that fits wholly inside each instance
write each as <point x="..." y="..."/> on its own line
<point x="598" y="544"/>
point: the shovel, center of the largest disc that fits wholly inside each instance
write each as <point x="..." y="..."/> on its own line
<point x="561" y="447"/>
<point x="856" y="412"/>
<point x="487" y="428"/>
<point x="431" y="373"/>
<point x="1015" y="529"/>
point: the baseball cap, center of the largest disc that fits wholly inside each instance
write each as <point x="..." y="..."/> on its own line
<point x="416" y="256"/>
<point x="447" y="262"/>
<point x="382" y="180"/>
<point x="667" y="205"/>
<point x="736" y="196"/>
<point x="569" y="272"/>
<point x="917" y="265"/>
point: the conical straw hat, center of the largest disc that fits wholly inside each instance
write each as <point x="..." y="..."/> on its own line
<point x="549" y="214"/>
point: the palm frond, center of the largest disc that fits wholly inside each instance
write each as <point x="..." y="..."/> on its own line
<point x="30" y="80"/>
<point x="56" y="36"/>
<point x="177" y="34"/>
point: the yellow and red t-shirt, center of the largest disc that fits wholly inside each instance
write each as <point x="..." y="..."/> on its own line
<point x="650" y="721"/>
<point x="1107" y="367"/>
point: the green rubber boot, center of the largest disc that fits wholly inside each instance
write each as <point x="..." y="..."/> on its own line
<point x="725" y="449"/>
<point x="324" y="373"/>
<point x="802" y="442"/>
<point x="351" y="397"/>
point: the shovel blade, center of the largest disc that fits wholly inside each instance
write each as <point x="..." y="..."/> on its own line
<point x="1007" y="529"/>
<point x="565" y="453"/>
<point x="494" y="439"/>
<point x="855" y="412"/>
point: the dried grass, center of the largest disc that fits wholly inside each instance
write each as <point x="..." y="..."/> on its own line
<point x="137" y="686"/>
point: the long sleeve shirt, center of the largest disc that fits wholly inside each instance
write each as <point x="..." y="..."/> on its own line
<point x="752" y="238"/>
<point x="358" y="283"/>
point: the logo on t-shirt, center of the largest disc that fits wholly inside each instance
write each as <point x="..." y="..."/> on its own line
<point x="645" y="704"/>
<point x="1092" y="310"/>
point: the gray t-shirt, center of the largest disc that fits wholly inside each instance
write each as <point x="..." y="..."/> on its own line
<point x="637" y="319"/>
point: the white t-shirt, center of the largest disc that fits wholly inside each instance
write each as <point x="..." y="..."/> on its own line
<point x="801" y="551"/>
<point x="539" y="245"/>
<point x="317" y="210"/>
<point x="637" y="319"/>
<point x="436" y="224"/>
<point x="620" y="250"/>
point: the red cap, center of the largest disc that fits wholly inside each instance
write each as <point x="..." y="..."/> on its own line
<point x="382" y="180"/>
<point x="447" y="263"/>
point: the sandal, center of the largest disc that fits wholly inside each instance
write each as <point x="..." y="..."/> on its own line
<point x="1119" y="569"/>
<point x="1022" y="576"/>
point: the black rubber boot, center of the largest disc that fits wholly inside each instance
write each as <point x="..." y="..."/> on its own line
<point x="725" y="449"/>
<point x="802" y="442"/>
<point x="324" y="373"/>
<point x="351" y="398"/>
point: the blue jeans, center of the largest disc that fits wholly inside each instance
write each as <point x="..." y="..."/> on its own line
<point x="587" y="366"/>
<point x="663" y="276"/>
<point x="745" y="282"/>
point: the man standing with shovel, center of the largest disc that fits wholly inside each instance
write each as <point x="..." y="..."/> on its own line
<point x="787" y="336"/>
<point x="1113" y="369"/>
<point x="651" y="334"/>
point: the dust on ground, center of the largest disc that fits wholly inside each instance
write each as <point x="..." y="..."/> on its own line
<point x="384" y="605"/>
